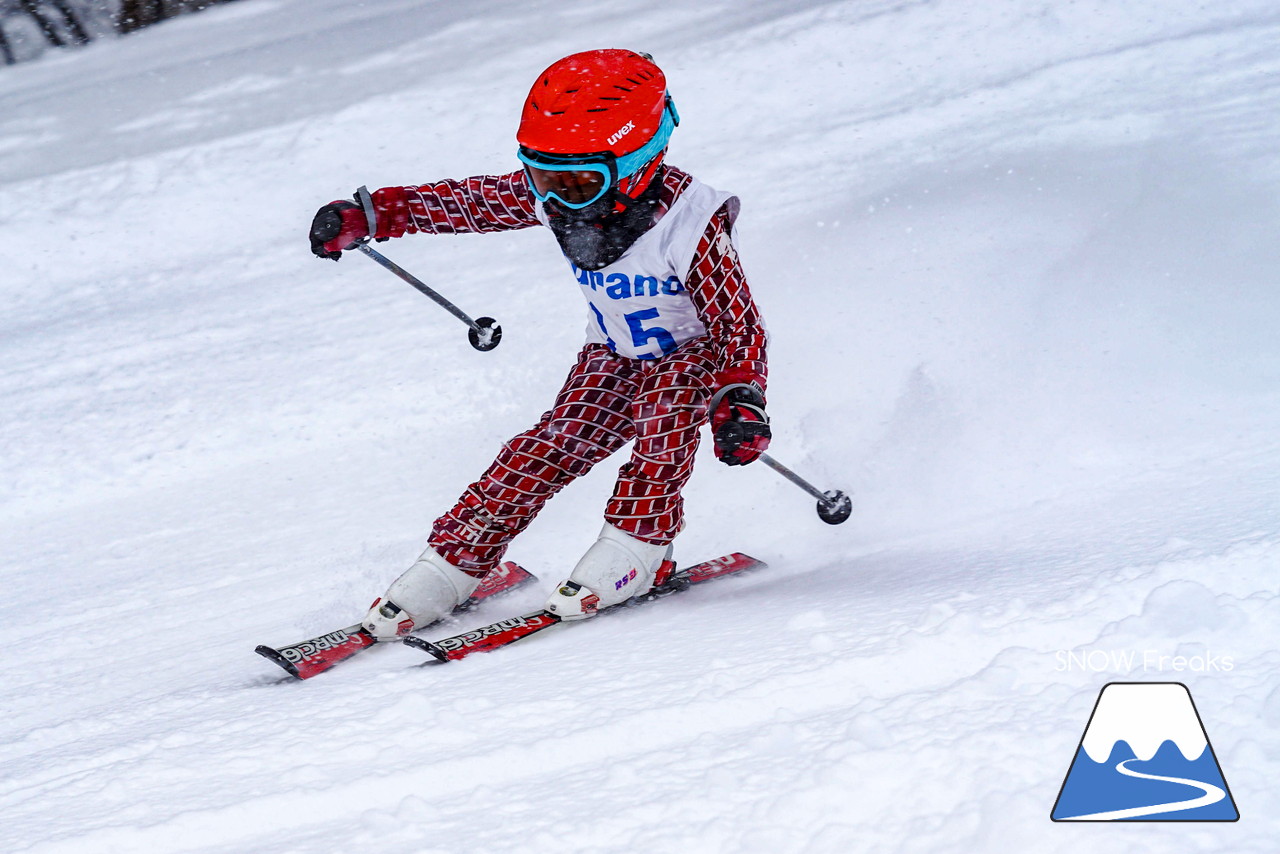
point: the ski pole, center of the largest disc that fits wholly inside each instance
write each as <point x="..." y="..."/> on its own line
<point x="484" y="332"/>
<point x="834" y="506"/>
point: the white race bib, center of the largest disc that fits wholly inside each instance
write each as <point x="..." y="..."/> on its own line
<point x="639" y="306"/>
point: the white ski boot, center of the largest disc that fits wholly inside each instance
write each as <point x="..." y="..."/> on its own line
<point x="615" y="568"/>
<point x="427" y="591"/>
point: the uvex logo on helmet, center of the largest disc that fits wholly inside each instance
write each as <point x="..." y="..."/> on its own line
<point x="622" y="131"/>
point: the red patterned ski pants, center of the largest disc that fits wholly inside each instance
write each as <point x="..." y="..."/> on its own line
<point x="606" y="401"/>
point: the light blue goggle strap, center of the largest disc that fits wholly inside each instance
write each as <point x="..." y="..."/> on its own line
<point x="629" y="164"/>
<point x="602" y="168"/>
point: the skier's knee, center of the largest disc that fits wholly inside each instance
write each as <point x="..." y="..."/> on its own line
<point x="545" y="448"/>
<point x="564" y="448"/>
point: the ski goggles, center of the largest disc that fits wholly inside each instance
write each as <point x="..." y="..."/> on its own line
<point x="579" y="180"/>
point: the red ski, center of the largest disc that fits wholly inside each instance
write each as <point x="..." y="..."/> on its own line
<point x="506" y="632"/>
<point x="317" y="655"/>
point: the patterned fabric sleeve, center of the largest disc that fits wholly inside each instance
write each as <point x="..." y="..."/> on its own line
<point x="718" y="288"/>
<point x="479" y="204"/>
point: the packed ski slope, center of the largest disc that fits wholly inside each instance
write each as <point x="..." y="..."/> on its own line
<point x="1019" y="264"/>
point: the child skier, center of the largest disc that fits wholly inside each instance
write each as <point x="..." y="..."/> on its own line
<point x="673" y="337"/>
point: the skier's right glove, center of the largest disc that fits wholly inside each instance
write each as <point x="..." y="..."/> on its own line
<point x="337" y="226"/>
<point x="739" y="424"/>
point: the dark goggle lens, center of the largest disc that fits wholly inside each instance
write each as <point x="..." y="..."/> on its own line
<point x="574" y="187"/>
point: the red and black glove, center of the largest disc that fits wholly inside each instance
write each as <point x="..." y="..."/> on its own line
<point x="739" y="424"/>
<point x="337" y="226"/>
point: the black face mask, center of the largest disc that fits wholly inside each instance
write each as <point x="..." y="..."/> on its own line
<point x="595" y="236"/>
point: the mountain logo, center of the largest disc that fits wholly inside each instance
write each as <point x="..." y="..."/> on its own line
<point x="1145" y="756"/>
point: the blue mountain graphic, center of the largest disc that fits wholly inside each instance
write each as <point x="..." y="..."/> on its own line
<point x="1099" y="787"/>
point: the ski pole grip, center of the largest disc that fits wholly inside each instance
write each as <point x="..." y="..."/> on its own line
<point x="730" y="436"/>
<point x="327" y="226"/>
<point x="720" y="394"/>
<point x="365" y="198"/>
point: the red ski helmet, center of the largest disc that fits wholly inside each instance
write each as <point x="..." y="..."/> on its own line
<point x="593" y="122"/>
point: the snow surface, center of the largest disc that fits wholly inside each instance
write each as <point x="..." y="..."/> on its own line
<point x="1019" y="261"/>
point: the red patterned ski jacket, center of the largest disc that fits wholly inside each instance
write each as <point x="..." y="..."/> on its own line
<point x="715" y="281"/>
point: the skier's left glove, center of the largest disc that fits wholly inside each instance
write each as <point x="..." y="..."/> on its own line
<point x="739" y="424"/>
<point x="337" y="226"/>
